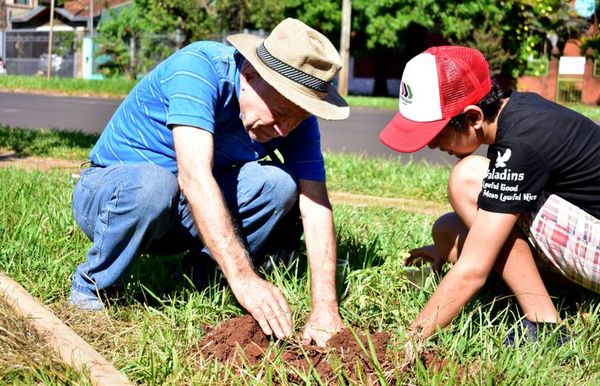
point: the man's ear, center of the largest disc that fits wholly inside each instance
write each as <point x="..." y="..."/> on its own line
<point x="474" y="116"/>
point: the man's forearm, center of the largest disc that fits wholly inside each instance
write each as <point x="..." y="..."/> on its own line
<point x="319" y="234"/>
<point x="320" y="245"/>
<point x="216" y="227"/>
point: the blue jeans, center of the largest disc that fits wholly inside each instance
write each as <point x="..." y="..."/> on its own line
<point x="126" y="210"/>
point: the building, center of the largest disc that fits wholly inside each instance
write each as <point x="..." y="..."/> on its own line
<point x="35" y="14"/>
<point x="14" y="8"/>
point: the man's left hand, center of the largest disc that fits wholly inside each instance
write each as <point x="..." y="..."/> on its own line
<point x="321" y="326"/>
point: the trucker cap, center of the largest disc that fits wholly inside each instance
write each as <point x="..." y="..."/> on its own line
<point x="436" y="86"/>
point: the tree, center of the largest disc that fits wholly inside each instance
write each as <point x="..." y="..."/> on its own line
<point x="510" y="32"/>
<point x="237" y="15"/>
<point x="145" y="24"/>
<point x="540" y="29"/>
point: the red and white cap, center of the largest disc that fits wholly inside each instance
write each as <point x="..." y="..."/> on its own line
<point x="436" y="86"/>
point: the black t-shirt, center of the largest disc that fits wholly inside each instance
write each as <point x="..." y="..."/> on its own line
<point x="541" y="146"/>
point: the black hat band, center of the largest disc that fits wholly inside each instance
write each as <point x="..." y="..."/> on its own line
<point x="290" y="72"/>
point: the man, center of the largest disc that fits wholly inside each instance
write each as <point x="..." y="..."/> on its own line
<point x="532" y="205"/>
<point x="180" y="160"/>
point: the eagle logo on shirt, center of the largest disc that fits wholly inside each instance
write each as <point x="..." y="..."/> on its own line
<point x="502" y="158"/>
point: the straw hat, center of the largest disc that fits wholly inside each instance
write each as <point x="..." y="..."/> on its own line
<point x="300" y="63"/>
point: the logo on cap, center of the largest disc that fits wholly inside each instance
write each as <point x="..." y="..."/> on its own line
<point x="406" y="93"/>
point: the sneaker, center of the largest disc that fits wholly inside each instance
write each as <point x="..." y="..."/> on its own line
<point x="84" y="301"/>
<point x="531" y="332"/>
<point x="200" y="268"/>
<point x="286" y="257"/>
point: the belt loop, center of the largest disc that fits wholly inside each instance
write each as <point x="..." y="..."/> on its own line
<point x="81" y="165"/>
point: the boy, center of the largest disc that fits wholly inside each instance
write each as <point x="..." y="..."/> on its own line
<point x="534" y="199"/>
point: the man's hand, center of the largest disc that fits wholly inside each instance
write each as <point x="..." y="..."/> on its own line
<point x="194" y="148"/>
<point x="322" y="325"/>
<point x="265" y="303"/>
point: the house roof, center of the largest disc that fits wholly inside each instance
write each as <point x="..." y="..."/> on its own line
<point x="39" y="13"/>
<point x="82" y="7"/>
<point x="74" y="12"/>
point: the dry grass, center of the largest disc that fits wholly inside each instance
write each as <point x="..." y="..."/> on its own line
<point x="107" y="333"/>
<point x="25" y="355"/>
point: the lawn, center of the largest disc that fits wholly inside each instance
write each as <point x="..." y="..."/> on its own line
<point x="151" y="334"/>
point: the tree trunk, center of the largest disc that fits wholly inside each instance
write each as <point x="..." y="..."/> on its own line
<point x="3" y="21"/>
<point x="381" y="73"/>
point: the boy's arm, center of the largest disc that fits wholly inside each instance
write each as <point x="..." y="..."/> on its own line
<point x="317" y="219"/>
<point x="486" y="237"/>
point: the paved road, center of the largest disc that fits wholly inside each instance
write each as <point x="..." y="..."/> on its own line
<point x="358" y="134"/>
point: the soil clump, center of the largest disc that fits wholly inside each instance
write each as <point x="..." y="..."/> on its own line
<point x="241" y="339"/>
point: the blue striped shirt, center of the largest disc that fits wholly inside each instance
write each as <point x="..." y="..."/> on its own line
<point x="198" y="86"/>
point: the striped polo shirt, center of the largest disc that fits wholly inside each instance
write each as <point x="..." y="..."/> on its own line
<point x="198" y="86"/>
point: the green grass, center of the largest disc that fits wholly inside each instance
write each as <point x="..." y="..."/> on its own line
<point x="348" y="173"/>
<point x="384" y="103"/>
<point x="386" y="177"/>
<point x="152" y="332"/>
<point x="70" y="86"/>
<point x="592" y="112"/>
<point x="47" y="143"/>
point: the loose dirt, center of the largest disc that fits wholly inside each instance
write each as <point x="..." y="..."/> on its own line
<point x="406" y="204"/>
<point x="12" y="159"/>
<point x="241" y="339"/>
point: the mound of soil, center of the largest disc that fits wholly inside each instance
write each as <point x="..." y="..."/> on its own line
<point x="242" y="333"/>
<point x="239" y="339"/>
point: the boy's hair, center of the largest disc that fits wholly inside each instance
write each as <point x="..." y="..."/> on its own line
<point x="489" y="104"/>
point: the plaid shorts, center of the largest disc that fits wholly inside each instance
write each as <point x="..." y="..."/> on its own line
<point x="565" y="239"/>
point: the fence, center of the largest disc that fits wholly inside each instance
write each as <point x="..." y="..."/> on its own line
<point x="25" y="52"/>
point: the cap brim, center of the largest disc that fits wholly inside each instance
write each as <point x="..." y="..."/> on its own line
<point x="331" y="107"/>
<point x="408" y="136"/>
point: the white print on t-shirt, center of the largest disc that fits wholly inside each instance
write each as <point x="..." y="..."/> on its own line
<point x="502" y="158"/>
<point x="505" y="175"/>
<point x="504" y="185"/>
<point x="499" y="186"/>
<point x="510" y="197"/>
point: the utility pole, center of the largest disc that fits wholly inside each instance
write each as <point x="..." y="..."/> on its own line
<point x="91" y="18"/>
<point x="345" y="47"/>
<point x="50" y="37"/>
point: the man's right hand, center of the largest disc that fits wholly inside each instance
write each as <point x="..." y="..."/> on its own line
<point x="265" y="303"/>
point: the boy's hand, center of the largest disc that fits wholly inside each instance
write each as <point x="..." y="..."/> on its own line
<point x="425" y="254"/>
<point x="412" y="349"/>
